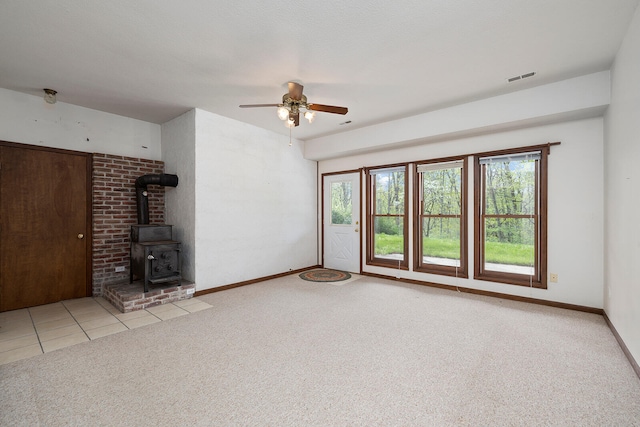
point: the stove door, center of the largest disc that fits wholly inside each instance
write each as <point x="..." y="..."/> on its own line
<point x="164" y="263"/>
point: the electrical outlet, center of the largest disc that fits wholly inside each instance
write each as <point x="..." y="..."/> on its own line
<point x="191" y="291"/>
<point x="553" y="277"/>
<point x="119" y="269"/>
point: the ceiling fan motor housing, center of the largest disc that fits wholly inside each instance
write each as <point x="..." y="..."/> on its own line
<point x="294" y="105"/>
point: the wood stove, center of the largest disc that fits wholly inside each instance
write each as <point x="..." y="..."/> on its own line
<point x="155" y="256"/>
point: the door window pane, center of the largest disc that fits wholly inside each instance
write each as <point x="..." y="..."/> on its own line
<point x="341" y="210"/>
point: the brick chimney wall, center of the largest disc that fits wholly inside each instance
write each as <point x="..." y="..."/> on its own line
<point x="114" y="211"/>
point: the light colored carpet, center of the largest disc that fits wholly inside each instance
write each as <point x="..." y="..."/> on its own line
<point x="371" y="352"/>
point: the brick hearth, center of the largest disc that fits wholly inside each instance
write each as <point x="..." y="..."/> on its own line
<point x="128" y="297"/>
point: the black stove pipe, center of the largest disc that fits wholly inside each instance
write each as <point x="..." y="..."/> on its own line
<point x="164" y="179"/>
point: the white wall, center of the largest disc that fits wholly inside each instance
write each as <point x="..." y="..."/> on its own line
<point x="622" y="187"/>
<point x="255" y="203"/>
<point x="179" y="154"/>
<point x="27" y="119"/>
<point x="248" y="202"/>
<point x="575" y="212"/>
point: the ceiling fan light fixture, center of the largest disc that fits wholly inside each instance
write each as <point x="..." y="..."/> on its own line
<point x="283" y="113"/>
<point x="295" y="103"/>
<point x="310" y="115"/>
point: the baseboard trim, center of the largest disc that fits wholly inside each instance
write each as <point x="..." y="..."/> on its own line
<point x="622" y="344"/>
<point x="491" y="294"/>
<point x="252" y="281"/>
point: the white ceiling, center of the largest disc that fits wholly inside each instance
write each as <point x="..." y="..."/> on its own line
<point x="154" y="60"/>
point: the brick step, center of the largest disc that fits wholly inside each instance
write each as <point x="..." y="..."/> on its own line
<point x="128" y="297"/>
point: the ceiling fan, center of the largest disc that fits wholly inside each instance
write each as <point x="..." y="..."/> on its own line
<point x="294" y="103"/>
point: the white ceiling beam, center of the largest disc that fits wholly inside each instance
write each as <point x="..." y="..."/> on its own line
<point x="576" y="98"/>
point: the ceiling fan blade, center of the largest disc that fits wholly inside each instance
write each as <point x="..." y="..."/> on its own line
<point x="328" y="108"/>
<point x="295" y="91"/>
<point x="295" y="117"/>
<point x="259" y="105"/>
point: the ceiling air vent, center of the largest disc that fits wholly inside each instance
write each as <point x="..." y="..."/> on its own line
<point x="523" y="76"/>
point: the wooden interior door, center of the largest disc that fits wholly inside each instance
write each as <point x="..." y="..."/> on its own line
<point x="45" y="227"/>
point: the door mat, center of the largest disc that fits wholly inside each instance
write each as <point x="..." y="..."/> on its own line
<point x="325" y="275"/>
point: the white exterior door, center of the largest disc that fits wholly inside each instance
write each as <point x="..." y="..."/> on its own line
<point x="341" y="222"/>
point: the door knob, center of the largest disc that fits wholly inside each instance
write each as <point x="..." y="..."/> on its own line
<point x="80" y="236"/>
<point x="356" y="230"/>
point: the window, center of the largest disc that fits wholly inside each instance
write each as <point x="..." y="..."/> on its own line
<point x="341" y="209"/>
<point x="511" y="189"/>
<point x="440" y="206"/>
<point x="387" y="243"/>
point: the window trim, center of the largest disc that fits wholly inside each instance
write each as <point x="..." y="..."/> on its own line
<point x="444" y="270"/>
<point x="539" y="280"/>
<point x="371" y="258"/>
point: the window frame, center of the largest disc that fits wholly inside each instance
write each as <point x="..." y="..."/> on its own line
<point x="371" y="215"/>
<point x="539" y="278"/>
<point x="419" y="265"/>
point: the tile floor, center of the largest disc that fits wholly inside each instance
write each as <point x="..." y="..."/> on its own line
<point x="37" y="330"/>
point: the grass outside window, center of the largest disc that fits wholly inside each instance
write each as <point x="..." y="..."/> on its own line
<point x="496" y="252"/>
